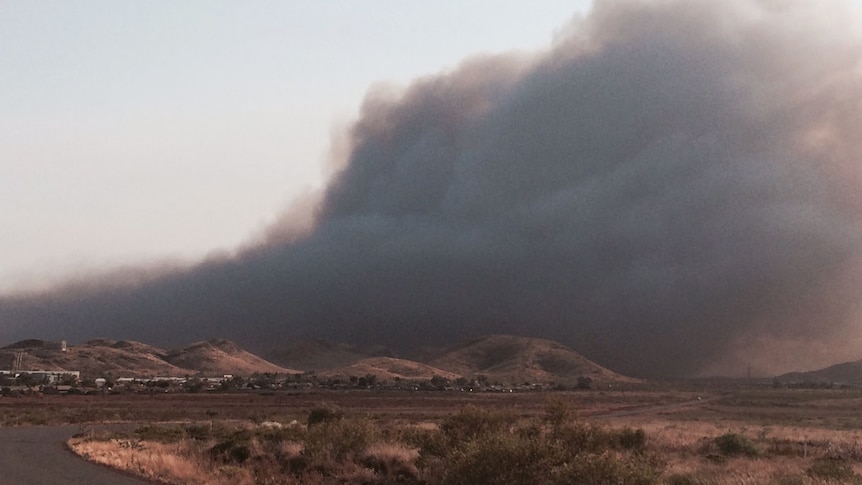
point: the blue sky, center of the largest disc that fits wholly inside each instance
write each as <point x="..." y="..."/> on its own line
<point x="141" y="131"/>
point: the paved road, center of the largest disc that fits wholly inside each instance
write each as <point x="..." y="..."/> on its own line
<point x="38" y="456"/>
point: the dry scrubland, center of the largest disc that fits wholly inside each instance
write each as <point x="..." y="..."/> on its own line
<point x="728" y="436"/>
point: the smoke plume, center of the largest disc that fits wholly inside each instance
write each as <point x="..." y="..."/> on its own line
<point x="673" y="187"/>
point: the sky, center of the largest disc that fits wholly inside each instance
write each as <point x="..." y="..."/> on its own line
<point x="134" y="131"/>
<point x="669" y="187"/>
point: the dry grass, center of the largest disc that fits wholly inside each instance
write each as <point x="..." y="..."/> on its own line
<point x="788" y="443"/>
<point x="392" y="451"/>
<point x="786" y="451"/>
<point x="170" y="463"/>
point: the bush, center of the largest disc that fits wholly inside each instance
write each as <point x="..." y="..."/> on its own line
<point x="557" y="413"/>
<point x="631" y="439"/>
<point x="582" y="438"/>
<point x="831" y="468"/>
<point x="472" y="422"/>
<point x="732" y="444"/>
<point x="293" y="432"/>
<point x="160" y="434"/>
<point x="391" y="464"/>
<point x="198" y="433"/>
<point x="481" y="446"/>
<point x="502" y="458"/>
<point x="324" y="414"/>
<point x="340" y="439"/>
<point x="430" y="442"/>
<point x="680" y="479"/>
<point x="610" y="469"/>
<point x="234" y="450"/>
<point x="785" y="447"/>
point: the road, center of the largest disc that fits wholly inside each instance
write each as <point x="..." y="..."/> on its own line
<point x="37" y="455"/>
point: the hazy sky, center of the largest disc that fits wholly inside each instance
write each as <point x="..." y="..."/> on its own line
<point x="132" y="131"/>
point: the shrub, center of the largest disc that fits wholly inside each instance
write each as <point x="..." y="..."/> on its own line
<point x="481" y="446"/>
<point x="281" y="435"/>
<point x="324" y="413"/>
<point x="198" y="432"/>
<point x="585" y="382"/>
<point x="234" y="450"/>
<point x="557" y="413"/>
<point x="502" y="458"/>
<point x="472" y="422"/>
<point x="430" y="442"/>
<point x="338" y="439"/>
<point x="631" y="439"/>
<point x="680" y="479"/>
<point x="582" y="438"/>
<point x="160" y="434"/>
<point x="831" y="468"/>
<point x="610" y="469"/>
<point x="391" y="463"/>
<point x="732" y="444"/>
<point x="785" y="447"/>
<point x="790" y="480"/>
<point x="296" y="464"/>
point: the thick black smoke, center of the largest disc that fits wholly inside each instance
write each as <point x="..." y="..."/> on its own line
<point x="672" y="188"/>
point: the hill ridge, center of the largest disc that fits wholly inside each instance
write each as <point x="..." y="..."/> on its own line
<point x="128" y="358"/>
<point x="842" y="373"/>
<point x="511" y="358"/>
<point x="500" y="358"/>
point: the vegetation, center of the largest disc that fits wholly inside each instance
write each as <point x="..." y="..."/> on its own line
<point x="733" y="444"/>
<point x="474" y="445"/>
<point x="832" y="468"/>
<point x="662" y="436"/>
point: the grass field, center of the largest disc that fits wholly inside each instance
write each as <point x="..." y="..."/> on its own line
<point x="668" y="435"/>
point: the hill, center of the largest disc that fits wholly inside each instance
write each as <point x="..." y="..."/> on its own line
<point x="501" y="358"/>
<point x="848" y="373"/>
<point x="220" y="356"/>
<point x="93" y="358"/>
<point x="127" y="358"/>
<point x="27" y="344"/>
<point x="319" y="355"/>
<point x="389" y="368"/>
<point x="514" y="360"/>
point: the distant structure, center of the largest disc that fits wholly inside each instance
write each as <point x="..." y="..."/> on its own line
<point x="47" y="376"/>
<point x="18" y="361"/>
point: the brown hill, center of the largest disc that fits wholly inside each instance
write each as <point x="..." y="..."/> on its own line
<point x="219" y="356"/>
<point x="848" y="373"/>
<point x="515" y="360"/>
<point x="126" y="358"/>
<point x="320" y="355"/>
<point x="389" y="368"/>
<point x="27" y="344"/>
<point x="94" y="358"/>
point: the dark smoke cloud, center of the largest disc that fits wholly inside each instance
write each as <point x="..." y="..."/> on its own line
<point x="672" y="188"/>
